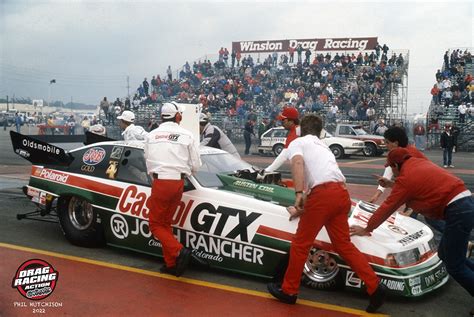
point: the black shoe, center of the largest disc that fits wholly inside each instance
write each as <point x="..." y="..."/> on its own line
<point x="276" y="291"/>
<point x="377" y="298"/>
<point x="168" y="270"/>
<point x="182" y="261"/>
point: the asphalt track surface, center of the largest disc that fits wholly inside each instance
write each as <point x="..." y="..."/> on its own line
<point x="114" y="282"/>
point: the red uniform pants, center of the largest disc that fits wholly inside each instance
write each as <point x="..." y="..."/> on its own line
<point x="327" y="205"/>
<point x="165" y="197"/>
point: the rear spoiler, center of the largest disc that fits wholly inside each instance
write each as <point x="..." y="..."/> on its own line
<point x="39" y="152"/>
<point x="92" y="138"/>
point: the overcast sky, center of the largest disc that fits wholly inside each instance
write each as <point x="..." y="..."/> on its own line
<point x="90" y="47"/>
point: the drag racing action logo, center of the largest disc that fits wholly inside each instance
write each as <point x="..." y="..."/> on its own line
<point x="35" y="279"/>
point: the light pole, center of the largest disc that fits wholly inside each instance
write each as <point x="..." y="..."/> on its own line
<point x="52" y="81"/>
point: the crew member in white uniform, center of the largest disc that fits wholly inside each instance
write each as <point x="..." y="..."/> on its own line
<point x="327" y="203"/>
<point x="171" y="154"/>
<point x="131" y="132"/>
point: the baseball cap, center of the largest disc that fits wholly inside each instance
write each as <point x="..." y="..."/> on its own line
<point x="127" y="116"/>
<point x="288" y="113"/>
<point x="170" y="109"/>
<point x="397" y="156"/>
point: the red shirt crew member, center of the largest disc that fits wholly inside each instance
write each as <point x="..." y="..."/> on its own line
<point x="327" y="203"/>
<point x="289" y="118"/>
<point x="171" y="153"/>
<point x="437" y="194"/>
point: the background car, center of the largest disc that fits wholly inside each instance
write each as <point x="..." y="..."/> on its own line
<point x="274" y="139"/>
<point x="101" y="192"/>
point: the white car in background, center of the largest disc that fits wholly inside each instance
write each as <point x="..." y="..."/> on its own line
<point x="274" y="139"/>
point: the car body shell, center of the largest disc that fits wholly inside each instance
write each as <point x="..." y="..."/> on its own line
<point x="230" y="222"/>
<point x="276" y="138"/>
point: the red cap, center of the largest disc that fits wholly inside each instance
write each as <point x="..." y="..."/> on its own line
<point x="289" y="113"/>
<point x="397" y="156"/>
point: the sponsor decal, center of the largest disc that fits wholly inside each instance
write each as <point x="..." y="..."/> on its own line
<point x="412" y="237"/>
<point x="345" y="44"/>
<point x="222" y="221"/>
<point x="93" y="156"/>
<point x="397" y="229"/>
<point x="414" y="281"/>
<point x="352" y="280"/>
<point x="434" y="277"/>
<point x="35" y="279"/>
<point x="88" y="168"/>
<point x="23" y="153"/>
<point x="37" y="146"/>
<point x="54" y="175"/>
<point x="213" y="248"/>
<point x="318" y="44"/>
<point x="394" y="285"/>
<point x="119" y="226"/>
<point x="170" y="137"/>
<point x="416" y="290"/>
<point x="250" y="185"/>
<point x="116" y="153"/>
<point x="112" y="170"/>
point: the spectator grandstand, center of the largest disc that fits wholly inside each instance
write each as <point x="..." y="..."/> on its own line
<point x="452" y="99"/>
<point x="363" y="86"/>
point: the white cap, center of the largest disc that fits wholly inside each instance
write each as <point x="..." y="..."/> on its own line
<point x="170" y="109"/>
<point x="127" y="116"/>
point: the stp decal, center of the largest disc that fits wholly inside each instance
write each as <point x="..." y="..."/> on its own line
<point x="93" y="156"/>
<point x="35" y="279"/>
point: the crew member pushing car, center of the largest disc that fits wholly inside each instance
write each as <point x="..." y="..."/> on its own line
<point x="437" y="194"/>
<point x="131" y="132"/>
<point x="171" y="154"/>
<point x="314" y="169"/>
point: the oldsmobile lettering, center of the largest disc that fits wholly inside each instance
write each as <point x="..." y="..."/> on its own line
<point x="37" y="146"/>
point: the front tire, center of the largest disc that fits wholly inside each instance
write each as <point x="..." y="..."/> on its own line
<point x="79" y="222"/>
<point x="321" y="271"/>
<point x="370" y="149"/>
<point x="337" y="150"/>
<point x="277" y="148"/>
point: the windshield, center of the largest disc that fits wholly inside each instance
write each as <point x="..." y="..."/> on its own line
<point x="359" y="131"/>
<point x="218" y="163"/>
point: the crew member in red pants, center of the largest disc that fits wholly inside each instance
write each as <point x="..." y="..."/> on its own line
<point x="171" y="154"/>
<point x="327" y="204"/>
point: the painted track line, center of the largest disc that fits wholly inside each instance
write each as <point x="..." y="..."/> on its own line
<point x="212" y="285"/>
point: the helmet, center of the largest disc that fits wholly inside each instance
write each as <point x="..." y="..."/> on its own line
<point x="203" y="118"/>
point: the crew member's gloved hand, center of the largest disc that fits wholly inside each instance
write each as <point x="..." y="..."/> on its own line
<point x="261" y="175"/>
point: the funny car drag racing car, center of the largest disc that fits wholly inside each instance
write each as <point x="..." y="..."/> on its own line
<point x="100" y="194"/>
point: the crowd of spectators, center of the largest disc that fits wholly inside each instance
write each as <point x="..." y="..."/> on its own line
<point x="337" y="85"/>
<point x="453" y="90"/>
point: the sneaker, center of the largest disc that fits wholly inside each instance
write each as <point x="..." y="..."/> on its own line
<point x="451" y="166"/>
<point x="445" y="166"/>
<point x="276" y="291"/>
<point x="182" y="261"/>
<point x="377" y="298"/>
<point x="168" y="270"/>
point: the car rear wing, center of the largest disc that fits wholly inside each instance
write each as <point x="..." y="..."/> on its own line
<point x="39" y="152"/>
<point x="92" y="138"/>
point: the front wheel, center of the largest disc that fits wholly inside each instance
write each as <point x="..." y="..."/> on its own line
<point x="370" y="149"/>
<point x="277" y="148"/>
<point x="321" y="271"/>
<point x="337" y="150"/>
<point x="79" y="222"/>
